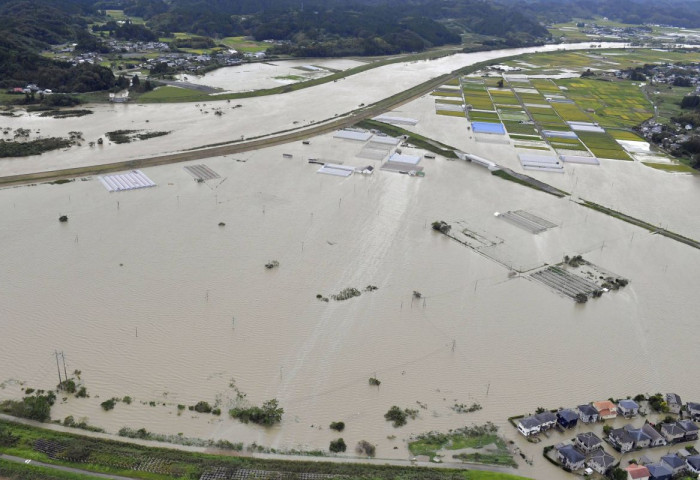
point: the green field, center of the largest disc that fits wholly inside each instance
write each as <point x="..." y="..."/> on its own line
<point x="483" y="116"/>
<point x="167" y="94"/>
<point x="450" y="113"/>
<point x="603" y="145"/>
<point x="570" y="112"/>
<point x="245" y="44"/>
<point x="520" y="128"/>
<point x="672" y="167"/>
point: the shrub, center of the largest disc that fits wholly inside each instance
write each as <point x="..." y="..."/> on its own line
<point x="202" y="407"/>
<point x="127" y="400"/>
<point x="216" y="411"/>
<point x="338" y="426"/>
<point x="397" y="416"/>
<point x="36" y="407"/>
<point x="108" y="405"/>
<point x="374" y="382"/>
<point x="337" y="446"/>
<point x="269" y="414"/>
<point x="81" y="393"/>
<point x="365" y="448"/>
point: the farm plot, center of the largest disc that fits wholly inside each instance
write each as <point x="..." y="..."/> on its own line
<point x="482" y="116"/>
<point x="603" y="145"/>
<point x="611" y="104"/>
<point x="520" y="128"/>
<point x="570" y="112"/>
<point x="503" y="97"/>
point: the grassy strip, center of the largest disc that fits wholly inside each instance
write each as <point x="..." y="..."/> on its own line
<point x="640" y="223"/>
<point x="671" y="167"/>
<point x="451" y="113"/>
<point x="417" y="140"/>
<point x="498" y="458"/>
<point x="21" y="471"/>
<point x="528" y="182"/>
<point x="108" y="456"/>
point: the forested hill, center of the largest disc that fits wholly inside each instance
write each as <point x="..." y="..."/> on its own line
<point x="679" y="13"/>
<point x="27" y="26"/>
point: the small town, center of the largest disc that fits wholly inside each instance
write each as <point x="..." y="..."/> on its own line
<point x="617" y="439"/>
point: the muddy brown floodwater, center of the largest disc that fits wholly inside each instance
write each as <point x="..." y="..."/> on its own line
<point x="149" y="297"/>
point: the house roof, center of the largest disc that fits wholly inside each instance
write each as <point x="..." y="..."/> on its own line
<point x="672" y="428"/>
<point x="694" y="461"/>
<point x="602" y="458"/>
<point x="605" y="407"/>
<point x="688" y="426"/>
<point x="546" y="417"/>
<point x="637" y="471"/>
<point x="673" y="461"/>
<point x="628" y="404"/>
<point x="621" y="435"/>
<point x="637" y="434"/>
<point x="529" y="422"/>
<point x="587" y="409"/>
<point x="659" y="470"/>
<point x="571" y="453"/>
<point x="567" y="414"/>
<point x="589" y="439"/>
<point x="673" y="398"/>
<point x="693" y="406"/>
<point x="651" y="431"/>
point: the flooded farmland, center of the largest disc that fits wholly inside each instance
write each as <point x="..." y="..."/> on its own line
<point x="148" y="296"/>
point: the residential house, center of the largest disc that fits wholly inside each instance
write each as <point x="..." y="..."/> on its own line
<point x="570" y="457"/>
<point x="637" y="472"/>
<point x="659" y="471"/>
<point x="600" y="461"/>
<point x="693" y="463"/>
<point x="588" y="441"/>
<point x="693" y="410"/>
<point x="587" y="413"/>
<point x="547" y="420"/>
<point x="621" y="440"/>
<point x="657" y="440"/>
<point x="691" y="430"/>
<point x="674" y="403"/>
<point x="529" y="426"/>
<point x="672" y="432"/>
<point x="535" y="424"/>
<point x="675" y="463"/>
<point x="641" y="439"/>
<point x="567" y="418"/>
<point x="627" y="408"/>
<point x="606" y="409"/>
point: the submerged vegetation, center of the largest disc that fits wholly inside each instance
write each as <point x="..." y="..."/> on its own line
<point x="400" y="417"/>
<point x="127" y="136"/>
<point x="32" y="147"/>
<point x="268" y="414"/>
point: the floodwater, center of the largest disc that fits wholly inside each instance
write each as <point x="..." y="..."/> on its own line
<point x="149" y="297"/>
<point x="196" y="125"/>
<point x="270" y="74"/>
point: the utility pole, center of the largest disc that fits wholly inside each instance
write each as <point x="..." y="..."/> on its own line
<point x="58" y="368"/>
<point x="63" y="357"/>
